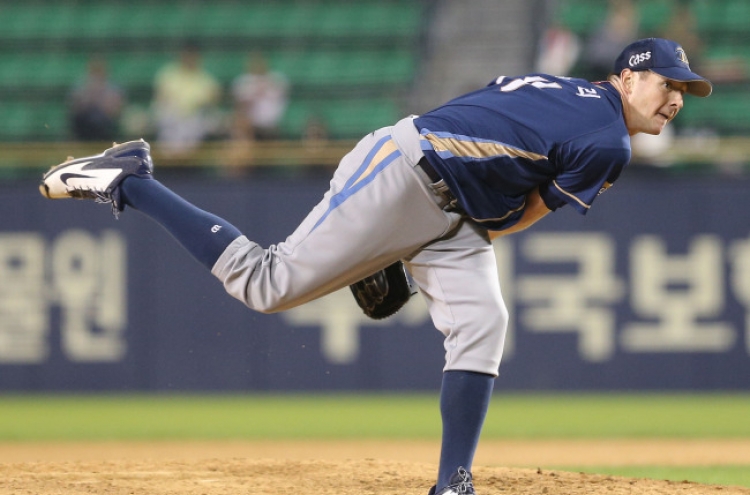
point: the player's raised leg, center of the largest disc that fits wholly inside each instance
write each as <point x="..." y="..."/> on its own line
<point x="338" y="243"/>
<point x="122" y="175"/>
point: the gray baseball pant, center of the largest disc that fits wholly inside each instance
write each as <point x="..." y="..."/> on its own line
<point x="382" y="207"/>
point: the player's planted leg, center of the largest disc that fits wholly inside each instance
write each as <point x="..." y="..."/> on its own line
<point x="459" y="484"/>
<point x="464" y="400"/>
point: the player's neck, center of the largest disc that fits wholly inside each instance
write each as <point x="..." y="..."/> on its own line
<point x="616" y="83"/>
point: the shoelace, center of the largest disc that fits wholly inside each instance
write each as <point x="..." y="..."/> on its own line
<point x="465" y="485"/>
<point x="98" y="196"/>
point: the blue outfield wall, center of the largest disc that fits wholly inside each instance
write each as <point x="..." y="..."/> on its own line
<point x="651" y="290"/>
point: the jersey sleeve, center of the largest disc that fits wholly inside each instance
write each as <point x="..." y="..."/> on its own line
<point x="587" y="171"/>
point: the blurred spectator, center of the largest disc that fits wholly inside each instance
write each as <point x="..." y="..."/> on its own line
<point x="186" y="99"/>
<point x="559" y="49"/>
<point x="619" y="28"/>
<point x="260" y="100"/>
<point x="96" y="105"/>
<point x="315" y="133"/>
<point x="315" y="140"/>
<point x="682" y="27"/>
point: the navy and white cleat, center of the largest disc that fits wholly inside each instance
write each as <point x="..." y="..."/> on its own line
<point x="98" y="177"/>
<point x="460" y="484"/>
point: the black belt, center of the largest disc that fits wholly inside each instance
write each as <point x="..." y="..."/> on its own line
<point x="429" y="170"/>
<point x="439" y="185"/>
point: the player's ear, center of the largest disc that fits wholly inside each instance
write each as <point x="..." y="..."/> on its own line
<point x="627" y="77"/>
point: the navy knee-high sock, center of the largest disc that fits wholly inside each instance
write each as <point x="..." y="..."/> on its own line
<point x="464" y="400"/>
<point x="203" y="234"/>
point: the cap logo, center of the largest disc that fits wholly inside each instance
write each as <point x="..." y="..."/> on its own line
<point x="640" y="57"/>
<point x="682" y="56"/>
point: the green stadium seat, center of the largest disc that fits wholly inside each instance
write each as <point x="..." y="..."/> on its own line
<point x="39" y="70"/>
<point x="582" y="16"/>
<point x="353" y="119"/>
<point x="99" y="20"/>
<point x="725" y="112"/>
<point x="21" y="20"/>
<point x="346" y="61"/>
<point x="738" y="16"/>
<point x="17" y="121"/>
<point x="719" y="19"/>
<point x="159" y="19"/>
<point x="296" y="117"/>
<point x="709" y="15"/>
<point x="374" y="67"/>
<point x="32" y="121"/>
<point x="295" y="64"/>
<point x="653" y="15"/>
<point x="390" y="18"/>
<point x="137" y="69"/>
<point x="52" y="121"/>
<point x="346" y="67"/>
<point x="730" y="50"/>
<point x="239" y="19"/>
<point x="298" y="21"/>
<point x="225" y="65"/>
<point x="345" y="118"/>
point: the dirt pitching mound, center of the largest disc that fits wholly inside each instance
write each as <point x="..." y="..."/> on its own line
<point x="349" y="467"/>
<point x="276" y="477"/>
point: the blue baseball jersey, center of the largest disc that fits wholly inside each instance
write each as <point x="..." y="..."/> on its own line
<point x="495" y="145"/>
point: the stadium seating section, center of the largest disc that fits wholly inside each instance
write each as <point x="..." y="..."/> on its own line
<point x="349" y="62"/>
<point x="724" y="29"/>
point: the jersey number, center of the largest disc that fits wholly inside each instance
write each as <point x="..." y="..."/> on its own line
<point x="536" y="81"/>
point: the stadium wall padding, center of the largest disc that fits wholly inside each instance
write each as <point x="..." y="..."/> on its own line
<point x="649" y="291"/>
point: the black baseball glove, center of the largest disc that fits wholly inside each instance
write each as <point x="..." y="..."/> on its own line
<point x="383" y="293"/>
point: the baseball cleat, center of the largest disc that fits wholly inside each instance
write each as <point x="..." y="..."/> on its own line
<point x="459" y="484"/>
<point x="98" y="177"/>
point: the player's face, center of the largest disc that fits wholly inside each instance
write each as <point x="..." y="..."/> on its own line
<point x="652" y="100"/>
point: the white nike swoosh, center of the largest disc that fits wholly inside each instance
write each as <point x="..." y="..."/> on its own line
<point x="102" y="176"/>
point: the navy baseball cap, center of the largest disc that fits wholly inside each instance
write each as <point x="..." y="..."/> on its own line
<point x="666" y="58"/>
